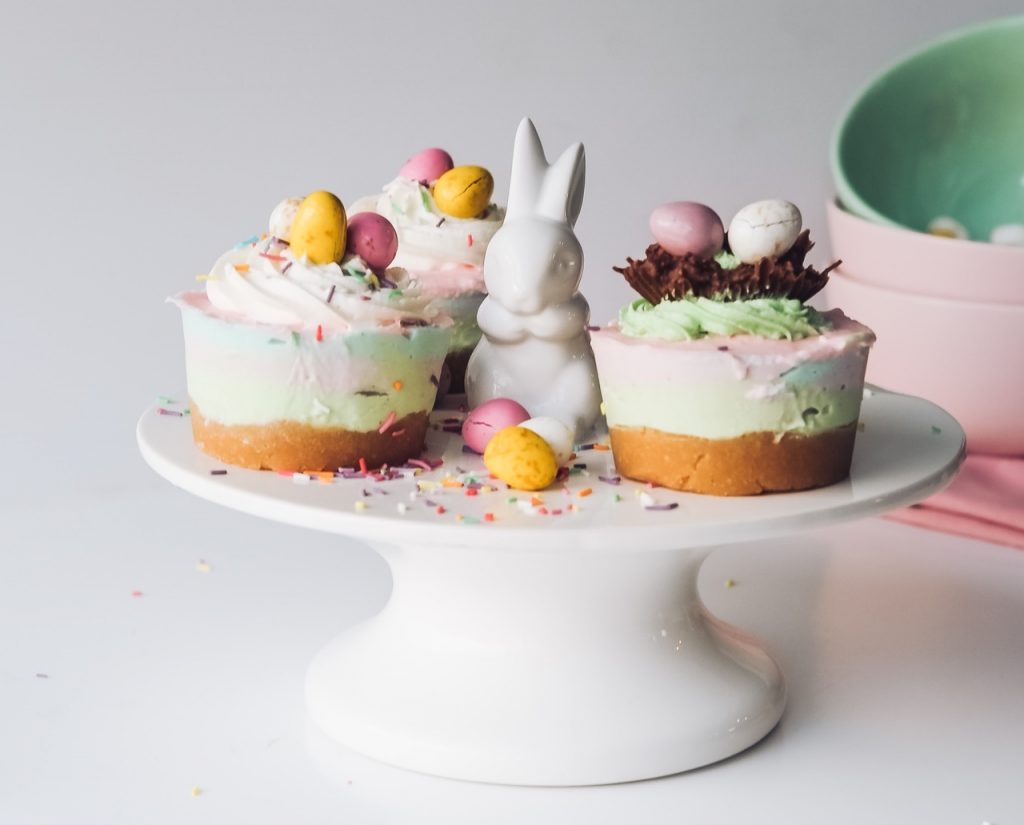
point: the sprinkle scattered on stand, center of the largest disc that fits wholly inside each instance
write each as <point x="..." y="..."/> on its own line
<point x="469" y="240"/>
<point x="137" y="594"/>
<point x="397" y="385"/>
<point x="319" y="332"/>
<point x="360" y="505"/>
<point x="196" y="791"/>
<point x="203" y="566"/>
<point x="586" y="491"/>
<point x="730" y="583"/>
<point x="218" y="472"/>
<point x="241" y="269"/>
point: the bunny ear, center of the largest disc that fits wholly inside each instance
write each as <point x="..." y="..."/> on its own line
<point x="562" y="194"/>
<point x="528" y="167"/>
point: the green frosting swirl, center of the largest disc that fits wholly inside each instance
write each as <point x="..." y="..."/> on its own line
<point x="693" y="318"/>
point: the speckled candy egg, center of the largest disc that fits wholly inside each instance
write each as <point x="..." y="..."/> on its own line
<point x="685" y="226"/>
<point x="555" y="433"/>
<point x="372" y="238"/>
<point x="763" y="229"/>
<point x="282" y="216"/>
<point x="521" y="458"/>
<point x="464" y="192"/>
<point x="318" y="230"/>
<point x="485" y="420"/>
<point x="426" y="166"/>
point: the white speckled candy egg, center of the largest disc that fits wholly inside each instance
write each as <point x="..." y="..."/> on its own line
<point x="764" y="228"/>
<point x="282" y="216"/>
<point x="553" y="431"/>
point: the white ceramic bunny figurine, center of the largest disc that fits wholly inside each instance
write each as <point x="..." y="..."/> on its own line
<point x="536" y="348"/>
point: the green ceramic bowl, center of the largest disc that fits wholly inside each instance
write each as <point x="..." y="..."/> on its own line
<point x="940" y="134"/>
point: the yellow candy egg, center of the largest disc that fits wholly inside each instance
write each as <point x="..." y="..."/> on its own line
<point x="464" y="192"/>
<point x="318" y="229"/>
<point x="521" y="458"/>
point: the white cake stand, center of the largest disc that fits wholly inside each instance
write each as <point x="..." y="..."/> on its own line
<point x="562" y="642"/>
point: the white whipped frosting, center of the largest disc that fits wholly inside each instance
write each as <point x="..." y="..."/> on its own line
<point x="428" y="239"/>
<point x="263" y="282"/>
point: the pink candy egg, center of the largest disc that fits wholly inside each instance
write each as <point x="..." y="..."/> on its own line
<point x="485" y="421"/>
<point x="686" y="226"/>
<point x="372" y="238"/>
<point x="427" y="166"/>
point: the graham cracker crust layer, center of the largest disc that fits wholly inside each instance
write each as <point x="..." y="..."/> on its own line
<point x="748" y="465"/>
<point x="291" y="446"/>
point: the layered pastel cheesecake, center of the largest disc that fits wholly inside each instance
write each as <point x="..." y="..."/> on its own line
<point x="297" y="361"/>
<point x="445" y="220"/>
<point x="721" y="379"/>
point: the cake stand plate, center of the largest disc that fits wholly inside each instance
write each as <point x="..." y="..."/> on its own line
<point x="555" y="639"/>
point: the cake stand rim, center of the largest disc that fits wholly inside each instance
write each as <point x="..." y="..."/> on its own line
<point x="547" y="535"/>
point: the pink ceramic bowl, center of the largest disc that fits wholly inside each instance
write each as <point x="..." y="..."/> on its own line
<point x="922" y="264"/>
<point x="966" y="357"/>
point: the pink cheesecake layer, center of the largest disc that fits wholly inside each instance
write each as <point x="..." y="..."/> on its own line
<point x="739" y="357"/>
<point x="448" y="280"/>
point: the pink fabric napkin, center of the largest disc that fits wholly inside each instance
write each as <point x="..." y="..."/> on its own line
<point x="985" y="501"/>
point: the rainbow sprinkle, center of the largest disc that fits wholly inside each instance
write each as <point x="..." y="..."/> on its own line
<point x="386" y="425"/>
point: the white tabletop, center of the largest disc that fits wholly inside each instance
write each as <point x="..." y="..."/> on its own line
<point x="902" y="648"/>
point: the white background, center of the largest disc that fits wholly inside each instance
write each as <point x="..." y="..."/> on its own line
<point x="139" y="141"/>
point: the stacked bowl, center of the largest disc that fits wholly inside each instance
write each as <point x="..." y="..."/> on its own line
<point x="937" y="142"/>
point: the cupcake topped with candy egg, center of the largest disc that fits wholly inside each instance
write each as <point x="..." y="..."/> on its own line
<point x="720" y="378"/>
<point x="445" y="219"/>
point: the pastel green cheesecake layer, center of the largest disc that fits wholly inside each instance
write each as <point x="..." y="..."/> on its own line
<point x="254" y="374"/>
<point x="728" y="386"/>
<point x="462" y="309"/>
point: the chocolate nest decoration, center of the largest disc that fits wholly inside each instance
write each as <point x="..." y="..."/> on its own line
<point x="663" y="275"/>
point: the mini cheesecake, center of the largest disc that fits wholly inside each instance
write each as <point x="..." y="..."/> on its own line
<point x="442" y="252"/>
<point x="734" y="415"/>
<point x="300" y="358"/>
<point x="721" y="379"/>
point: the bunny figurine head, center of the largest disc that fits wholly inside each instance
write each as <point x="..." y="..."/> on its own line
<point x="535" y="260"/>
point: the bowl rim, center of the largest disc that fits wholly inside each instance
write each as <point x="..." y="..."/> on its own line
<point x="965" y="244"/>
<point x="844" y="188"/>
<point x="1000" y="307"/>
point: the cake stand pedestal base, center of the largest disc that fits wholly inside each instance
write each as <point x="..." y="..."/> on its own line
<point x="535" y="668"/>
